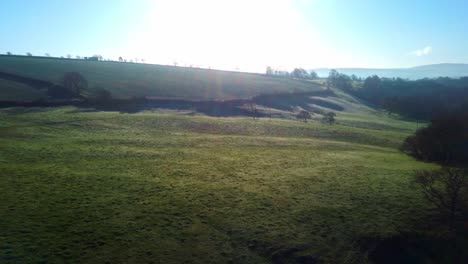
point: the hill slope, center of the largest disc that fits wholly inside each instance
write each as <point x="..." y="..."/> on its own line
<point x="126" y="80"/>
<point x="130" y="79"/>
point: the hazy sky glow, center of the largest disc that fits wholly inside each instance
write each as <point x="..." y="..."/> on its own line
<point x="244" y="35"/>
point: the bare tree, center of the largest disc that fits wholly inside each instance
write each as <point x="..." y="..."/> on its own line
<point x="69" y="56"/>
<point x="329" y="118"/>
<point x="74" y="82"/>
<point x="444" y="188"/>
<point x="47" y="54"/>
<point x="304" y="115"/>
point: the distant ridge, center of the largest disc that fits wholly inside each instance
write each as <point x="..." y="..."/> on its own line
<point x="452" y="70"/>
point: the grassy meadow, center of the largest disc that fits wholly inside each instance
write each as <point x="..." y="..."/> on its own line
<point x="103" y="187"/>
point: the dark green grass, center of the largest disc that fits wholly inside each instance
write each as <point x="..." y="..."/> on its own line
<point x="125" y="80"/>
<point x="96" y="187"/>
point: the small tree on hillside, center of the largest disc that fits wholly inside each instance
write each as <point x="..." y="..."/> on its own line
<point x="329" y="118"/>
<point x="445" y="188"/>
<point x="332" y="76"/>
<point x="29" y="54"/>
<point x="299" y="73"/>
<point x="253" y="110"/>
<point x="313" y="75"/>
<point x="304" y="115"/>
<point x="339" y="80"/>
<point x="8" y="53"/>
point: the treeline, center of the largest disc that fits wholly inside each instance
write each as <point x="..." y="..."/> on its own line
<point x="419" y="99"/>
<point x="298" y="73"/>
<point x="77" y="57"/>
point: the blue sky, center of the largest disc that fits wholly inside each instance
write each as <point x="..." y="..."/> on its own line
<point x="243" y="35"/>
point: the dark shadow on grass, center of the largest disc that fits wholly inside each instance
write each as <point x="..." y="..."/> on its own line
<point x="416" y="248"/>
<point x="288" y="101"/>
<point x="216" y="108"/>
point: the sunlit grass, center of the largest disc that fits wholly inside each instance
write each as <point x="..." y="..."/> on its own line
<point x="91" y="187"/>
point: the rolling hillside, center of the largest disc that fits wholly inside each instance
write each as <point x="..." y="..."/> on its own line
<point x="177" y="86"/>
<point x="88" y="187"/>
<point x="92" y="185"/>
<point x="126" y="80"/>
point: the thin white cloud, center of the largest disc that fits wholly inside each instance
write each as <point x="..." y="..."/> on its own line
<point x="422" y="52"/>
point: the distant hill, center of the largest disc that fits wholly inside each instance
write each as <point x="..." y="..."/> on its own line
<point x="453" y="70"/>
<point x="125" y="80"/>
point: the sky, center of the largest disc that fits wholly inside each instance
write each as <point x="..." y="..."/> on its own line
<point x="245" y="35"/>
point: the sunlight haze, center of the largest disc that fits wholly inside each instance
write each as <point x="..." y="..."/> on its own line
<point x="242" y="35"/>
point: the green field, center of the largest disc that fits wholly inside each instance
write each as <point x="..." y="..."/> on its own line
<point x="102" y="187"/>
<point x="125" y="80"/>
<point x="175" y="186"/>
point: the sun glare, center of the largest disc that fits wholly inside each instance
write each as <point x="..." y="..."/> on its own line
<point x="235" y="35"/>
